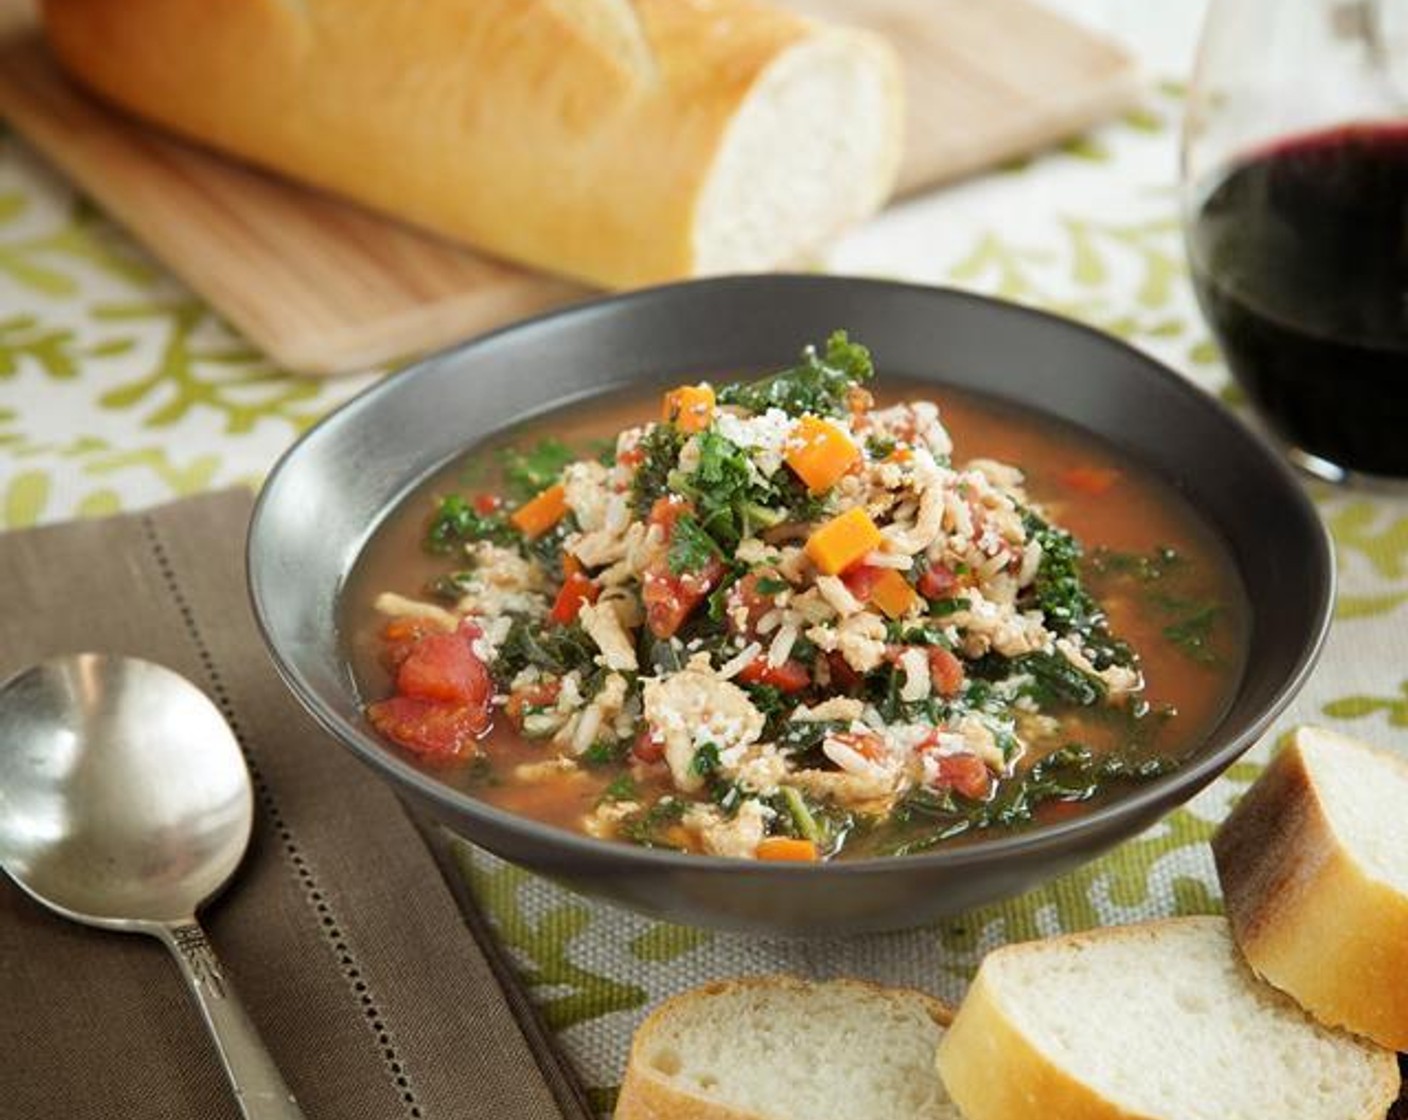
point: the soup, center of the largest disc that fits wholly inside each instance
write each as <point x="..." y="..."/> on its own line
<point x="804" y="618"/>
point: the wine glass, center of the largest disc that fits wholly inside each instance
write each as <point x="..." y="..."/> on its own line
<point x="1295" y="208"/>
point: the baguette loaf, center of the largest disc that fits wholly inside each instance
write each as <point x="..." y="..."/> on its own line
<point x="619" y="142"/>
<point x="1314" y="866"/>
<point x="777" y="1048"/>
<point x="1161" y="1021"/>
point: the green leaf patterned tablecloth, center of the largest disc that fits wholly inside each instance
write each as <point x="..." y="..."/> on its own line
<point x="120" y="389"/>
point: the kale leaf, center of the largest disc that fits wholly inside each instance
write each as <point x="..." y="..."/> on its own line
<point x="1060" y="594"/>
<point x="1054" y="680"/>
<point x="1072" y="773"/>
<point x="553" y="649"/>
<point x="660" y="448"/>
<point x="457" y="522"/>
<point x="732" y="500"/>
<point x="645" y="828"/>
<point x="691" y="548"/>
<point x="818" y="384"/>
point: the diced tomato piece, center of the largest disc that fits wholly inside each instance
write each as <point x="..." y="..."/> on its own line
<point x="1053" y="811"/>
<point x="1090" y="480"/>
<point x="745" y="596"/>
<point x="648" y="748"/>
<point x="885" y="588"/>
<point x="965" y="774"/>
<point x="430" y="728"/>
<point x="945" y="672"/>
<point x="666" y="511"/>
<point x="670" y="598"/>
<point x="576" y="590"/>
<point x="443" y="667"/>
<point x="790" y="676"/>
<point x="843" y="677"/>
<point x="400" y="636"/>
<point x="485" y="504"/>
<point x="860" y="580"/>
<point x="532" y="696"/>
<point x="937" y="583"/>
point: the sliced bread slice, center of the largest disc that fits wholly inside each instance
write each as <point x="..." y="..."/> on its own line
<point x="1162" y="1021"/>
<point x="1314" y="867"/>
<point x="779" y="1048"/>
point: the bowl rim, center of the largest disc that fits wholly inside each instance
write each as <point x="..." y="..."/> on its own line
<point x="1171" y="789"/>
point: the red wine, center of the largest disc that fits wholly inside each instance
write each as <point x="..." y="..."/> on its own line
<point x="1300" y="259"/>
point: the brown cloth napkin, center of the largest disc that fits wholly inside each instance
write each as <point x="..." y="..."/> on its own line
<point x="339" y="932"/>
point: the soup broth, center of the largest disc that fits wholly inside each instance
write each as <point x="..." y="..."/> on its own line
<point x="1162" y="584"/>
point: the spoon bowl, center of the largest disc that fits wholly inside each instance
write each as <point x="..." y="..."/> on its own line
<point x="125" y="797"/>
<point x="125" y="803"/>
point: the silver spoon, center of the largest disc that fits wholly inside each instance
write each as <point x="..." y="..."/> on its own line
<point x="125" y="804"/>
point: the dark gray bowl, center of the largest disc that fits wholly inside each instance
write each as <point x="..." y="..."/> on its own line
<point x="330" y="492"/>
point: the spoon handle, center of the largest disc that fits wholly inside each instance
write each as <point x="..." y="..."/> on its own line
<point x="259" y="1088"/>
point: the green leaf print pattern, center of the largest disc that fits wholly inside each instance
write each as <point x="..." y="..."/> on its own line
<point x="202" y="366"/>
<point x="1369" y="606"/>
<point x="1381" y="538"/>
<point x="1360" y="707"/>
<point x="50" y="263"/>
<point x="1123" y="879"/>
<point x="23" y="338"/>
<point x="566" y="992"/>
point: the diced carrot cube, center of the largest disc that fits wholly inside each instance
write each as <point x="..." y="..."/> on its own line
<point x="843" y="540"/>
<point x="690" y="407"/>
<point x="892" y="594"/>
<point x="785" y="849"/>
<point x="536" y="516"/>
<point x="820" y="453"/>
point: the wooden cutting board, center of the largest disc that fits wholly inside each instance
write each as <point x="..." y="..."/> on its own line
<point x="324" y="286"/>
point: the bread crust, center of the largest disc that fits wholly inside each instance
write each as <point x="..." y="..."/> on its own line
<point x="1308" y="918"/>
<point x="648" y="1095"/>
<point x="514" y="125"/>
<point x="993" y="1071"/>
